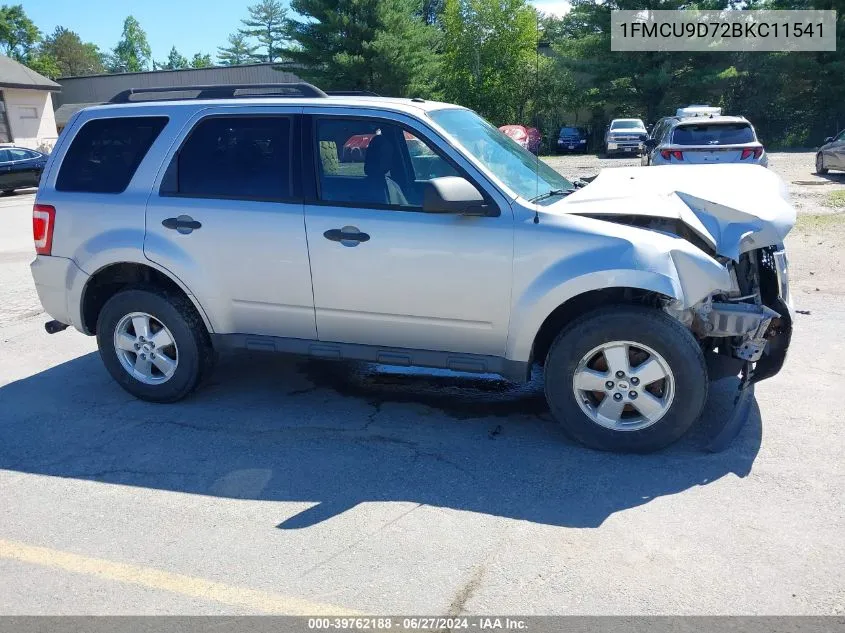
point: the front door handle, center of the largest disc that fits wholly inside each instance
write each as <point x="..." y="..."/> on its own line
<point x="348" y="236"/>
<point x="184" y="224"/>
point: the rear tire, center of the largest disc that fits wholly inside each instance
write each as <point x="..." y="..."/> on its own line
<point x="820" y="168"/>
<point x="188" y="358"/>
<point x="645" y="335"/>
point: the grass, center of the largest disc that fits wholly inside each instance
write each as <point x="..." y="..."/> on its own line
<point x="835" y="199"/>
<point x="823" y="221"/>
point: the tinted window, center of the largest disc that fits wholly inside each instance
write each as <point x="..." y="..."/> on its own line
<point x="571" y="131"/>
<point x="372" y="162"/>
<point x="713" y="134"/>
<point x="237" y="157"/>
<point x="5" y="156"/>
<point x="20" y="154"/>
<point x="105" y="153"/>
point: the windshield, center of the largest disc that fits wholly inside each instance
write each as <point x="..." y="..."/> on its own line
<point x="570" y="131"/>
<point x="628" y="124"/>
<point x="713" y="134"/>
<point x="515" y="166"/>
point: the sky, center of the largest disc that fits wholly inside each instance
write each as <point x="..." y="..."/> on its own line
<point x="193" y="26"/>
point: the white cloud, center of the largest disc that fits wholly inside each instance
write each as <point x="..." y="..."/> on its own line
<point x="553" y="7"/>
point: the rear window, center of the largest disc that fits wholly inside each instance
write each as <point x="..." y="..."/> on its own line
<point x="241" y="157"/>
<point x="713" y="134"/>
<point x="570" y="131"/>
<point x="105" y="153"/>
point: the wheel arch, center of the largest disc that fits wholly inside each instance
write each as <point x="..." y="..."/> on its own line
<point x="576" y="305"/>
<point x="113" y="277"/>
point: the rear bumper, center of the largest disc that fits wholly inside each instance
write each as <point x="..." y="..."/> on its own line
<point x="59" y="283"/>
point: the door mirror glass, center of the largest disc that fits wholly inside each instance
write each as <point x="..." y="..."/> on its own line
<point x="453" y="194"/>
<point x="650" y="143"/>
<point x="829" y="139"/>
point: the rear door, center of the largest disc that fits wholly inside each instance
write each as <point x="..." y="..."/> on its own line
<point x="26" y="167"/>
<point x="226" y="217"/>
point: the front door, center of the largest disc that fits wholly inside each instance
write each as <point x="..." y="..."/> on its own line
<point x="386" y="273"/>
<point x="227" y="219"/>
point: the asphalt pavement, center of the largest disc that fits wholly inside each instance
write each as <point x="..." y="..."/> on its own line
<point x="292" y="486"/>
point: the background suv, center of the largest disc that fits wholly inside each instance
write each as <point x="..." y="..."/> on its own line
<point x="703" y="138"/>
<point x="404" y="232"/>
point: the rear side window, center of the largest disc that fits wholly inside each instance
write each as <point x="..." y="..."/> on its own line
<point x="105" y="153"/>
<point x="713" y="134"/>
<point x="245" y="158"/>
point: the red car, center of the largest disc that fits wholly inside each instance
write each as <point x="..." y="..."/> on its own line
<point x="528" y="137"/>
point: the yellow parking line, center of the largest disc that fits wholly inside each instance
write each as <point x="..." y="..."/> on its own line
<point x="166" y="581"/>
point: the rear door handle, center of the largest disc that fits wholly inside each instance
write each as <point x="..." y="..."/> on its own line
<point x="184" y="224"/>
<point x="348" y="236"/>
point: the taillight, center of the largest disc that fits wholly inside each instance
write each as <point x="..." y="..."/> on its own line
<point x="43" y="221"/>
<point x="676" y="154"/>
<point x="747" y="152"/>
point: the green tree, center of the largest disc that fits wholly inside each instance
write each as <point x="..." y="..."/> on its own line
<point x="44" y="64"/>
<point x="175" y="61"/>
<point x="378" y="45"/>
<point x="201" y="60"/>
<point x="72" y="55"/>
<point x="490" y="56"/>
<point x="239" y="51"/>
<point x="18" y="34"/>
<point x="132" y="53"/>
<point x="266" y="23"/>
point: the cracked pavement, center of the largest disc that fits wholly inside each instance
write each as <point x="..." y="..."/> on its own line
<point x="394" y="491"/>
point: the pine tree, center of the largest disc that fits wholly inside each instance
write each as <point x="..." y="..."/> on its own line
<point x="266" y="23"/>
<point x="239" y="51"/>
<point x="378" y="45"/>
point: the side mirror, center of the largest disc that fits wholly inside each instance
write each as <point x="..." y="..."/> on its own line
<point x="829" y="139"/>
<point x="650" y="143"/>
<point x="452" y="194"/>
<point x="643" y="137"/>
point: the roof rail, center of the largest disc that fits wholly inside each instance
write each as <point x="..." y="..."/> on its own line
<point x="220" y="91"/>
<point x="351" y="93"/>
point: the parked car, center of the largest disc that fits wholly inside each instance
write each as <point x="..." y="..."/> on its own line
<point x="831" y="155"/>
<point x="572" y="139"/>
<point x="624" y="136"/>
<point x="701" y="135"/>
<point x="238" y="229"/>
<point x="20" y="167"/>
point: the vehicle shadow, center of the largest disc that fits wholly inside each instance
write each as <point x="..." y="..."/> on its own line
<point x="340" y="434"/>
<point x="835" y="177"/>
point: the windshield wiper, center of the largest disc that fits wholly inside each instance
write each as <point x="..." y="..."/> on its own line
<point x="551" y="194"/>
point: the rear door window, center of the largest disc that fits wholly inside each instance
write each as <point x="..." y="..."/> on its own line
<point x="105" y="154"/>
<point x="239" y="157"/>
<point x="713" y="134"/>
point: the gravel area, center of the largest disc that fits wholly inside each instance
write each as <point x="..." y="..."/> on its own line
<point x="809" y="190"/>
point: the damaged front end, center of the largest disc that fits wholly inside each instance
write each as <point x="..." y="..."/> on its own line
<point x="751" y="324"/>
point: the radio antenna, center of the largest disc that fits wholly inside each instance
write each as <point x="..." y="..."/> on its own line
<point x="536" y="101"/>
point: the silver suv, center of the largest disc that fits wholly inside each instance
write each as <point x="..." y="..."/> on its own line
<point x="406" y="232"/>
<point x="701" y="135"/>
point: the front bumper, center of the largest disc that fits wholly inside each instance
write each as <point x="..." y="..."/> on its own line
<point x="59" y="283"/>
<point x="624" y="147"/>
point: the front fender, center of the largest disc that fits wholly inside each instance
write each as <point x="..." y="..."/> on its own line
<point x="596" y="255"/>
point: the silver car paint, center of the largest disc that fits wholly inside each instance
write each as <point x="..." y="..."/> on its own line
<point x="480" y="285"/>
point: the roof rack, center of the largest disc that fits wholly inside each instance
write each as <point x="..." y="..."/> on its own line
<point x="351" y="93"/>
<point x="220" y="91"/>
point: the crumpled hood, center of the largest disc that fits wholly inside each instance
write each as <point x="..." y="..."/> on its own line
<point x="734" y="208"/>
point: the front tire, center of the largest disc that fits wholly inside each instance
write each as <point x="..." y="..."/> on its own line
<point x="154" y="344"/>
<point x="626" y="379"/>
<point x="820" y="168"/>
